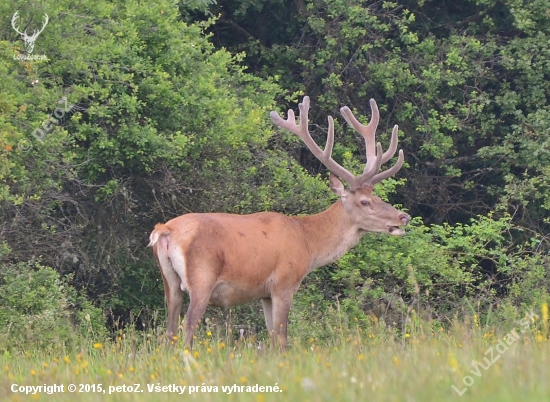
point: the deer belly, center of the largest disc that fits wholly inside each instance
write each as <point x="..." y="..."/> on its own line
<point x="230" y="295"/>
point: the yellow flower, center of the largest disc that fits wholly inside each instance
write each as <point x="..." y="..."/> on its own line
<point x="98" y="345"/>
<point x="407" y="335"/>
<point x="243" y="379"/>
<point x="131" y="369"/>
<point x="396" y="361"/>
<point x="361" y="357"/>
<point x="454" y="363"/>
<point x="67" y="359"/>
<point x="33" y="372"/>
<point x="544" y="311"/>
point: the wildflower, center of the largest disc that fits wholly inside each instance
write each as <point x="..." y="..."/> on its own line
<point x="131" y="369"/>
<point x="396" y="360"/>
<point x="454" y="363"/>
<point x="8" y="148"/>
<point x="67" y="359"/>
<point x="544" y="311"/>
<point x="98" y="345"/>
<point x="33" y="372"/>
<point x="407" y="335"/>
<point x="361" y="357"/>
<point x="209" y="334"/>
<point x="243" y="379"/>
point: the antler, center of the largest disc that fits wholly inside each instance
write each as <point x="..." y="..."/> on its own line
<point x="369" y="133"/>
<point x="375" y="158"/>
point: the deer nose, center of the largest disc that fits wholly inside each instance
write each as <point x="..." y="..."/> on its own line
<point x="404" y="218"/>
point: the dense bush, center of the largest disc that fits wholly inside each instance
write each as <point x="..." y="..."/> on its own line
<point x="41" y="309"/>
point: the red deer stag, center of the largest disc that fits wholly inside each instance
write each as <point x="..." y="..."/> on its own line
<point x="227" y="260"/>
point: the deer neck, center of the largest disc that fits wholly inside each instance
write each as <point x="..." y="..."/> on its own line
<point x="329" y="234"/>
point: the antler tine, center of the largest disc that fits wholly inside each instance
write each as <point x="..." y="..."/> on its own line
<point x="302" y="131"/>
<point x="387" y="173"/>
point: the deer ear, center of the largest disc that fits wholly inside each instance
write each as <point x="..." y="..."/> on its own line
<point x="336" y="186"/>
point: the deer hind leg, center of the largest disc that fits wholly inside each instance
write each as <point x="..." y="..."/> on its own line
<point x="267" y="306"/>
<point x="173" y="284"/>
<point x="199" y="299"/>
<point x="174" y="299"/>
<point x="280" y="312"/>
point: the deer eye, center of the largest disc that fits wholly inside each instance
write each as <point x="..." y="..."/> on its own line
<point x="365" y="203"/>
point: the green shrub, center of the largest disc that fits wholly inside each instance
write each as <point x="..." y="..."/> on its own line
<point x="40" y="308"/>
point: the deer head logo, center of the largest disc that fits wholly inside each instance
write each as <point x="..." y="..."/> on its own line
<point x="29" y="39"/>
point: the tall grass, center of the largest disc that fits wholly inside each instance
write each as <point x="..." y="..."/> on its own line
<point x="420" y="364"/>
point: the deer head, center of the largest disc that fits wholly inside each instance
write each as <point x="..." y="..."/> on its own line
<point x="367" y="211"/>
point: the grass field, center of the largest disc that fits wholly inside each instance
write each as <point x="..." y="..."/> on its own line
<point x="352" y="366"/>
